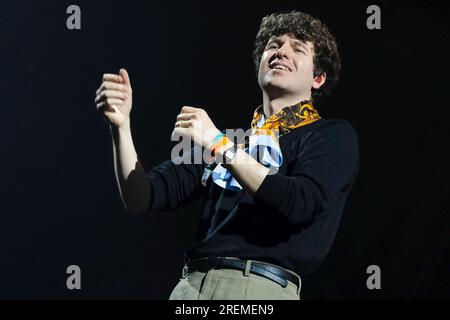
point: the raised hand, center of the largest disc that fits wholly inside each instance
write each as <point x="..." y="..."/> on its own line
<point x="114" y="98"/>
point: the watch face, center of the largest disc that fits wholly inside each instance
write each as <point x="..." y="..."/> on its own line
<point x="229" y="156"/>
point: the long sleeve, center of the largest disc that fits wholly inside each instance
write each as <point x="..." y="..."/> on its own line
<point x="174" y="185"/>
<point x="323" y="169"/>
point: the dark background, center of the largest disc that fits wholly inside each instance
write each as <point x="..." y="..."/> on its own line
<point x="59" y="200"/>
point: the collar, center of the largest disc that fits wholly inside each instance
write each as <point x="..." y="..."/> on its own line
<point x="286" y="119"/>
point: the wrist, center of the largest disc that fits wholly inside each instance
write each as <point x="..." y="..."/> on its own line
<point x="124" y="128"/>
<point x="213" y="138"/>
<point x="228" y="156"/>
<point x="224" y="151"/>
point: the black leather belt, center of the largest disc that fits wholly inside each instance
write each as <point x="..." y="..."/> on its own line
<point x="268" y="271"/>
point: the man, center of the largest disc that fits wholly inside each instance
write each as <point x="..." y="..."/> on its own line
<point x="260" y="230"/>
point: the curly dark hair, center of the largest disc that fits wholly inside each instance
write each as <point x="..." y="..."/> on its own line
<point x="305" y="28"/>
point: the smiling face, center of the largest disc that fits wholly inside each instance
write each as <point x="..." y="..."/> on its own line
<point x="287" y="67"/>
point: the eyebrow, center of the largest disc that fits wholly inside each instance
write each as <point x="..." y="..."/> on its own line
<point x="297" y="42"/>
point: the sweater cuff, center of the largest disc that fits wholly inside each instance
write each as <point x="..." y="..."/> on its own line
<point x="272" y="190"/>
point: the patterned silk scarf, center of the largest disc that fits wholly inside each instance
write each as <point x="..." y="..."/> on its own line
<point x="286" y="119"/>
<point x="263" y="137"/>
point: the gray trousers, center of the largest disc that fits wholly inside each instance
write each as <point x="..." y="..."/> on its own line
<point x="230" y="284"/>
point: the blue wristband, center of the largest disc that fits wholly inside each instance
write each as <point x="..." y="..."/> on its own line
<point x="217" y="137"/>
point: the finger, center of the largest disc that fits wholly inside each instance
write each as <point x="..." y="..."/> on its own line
<point x="103" y="107"/>
<point x="187" y="109"/>
<point x="113" y="94"/>
<point x="110" y="94"/>
<point x="112" y="77"/>
<point x="185" y="116"/>
<point x="126" y="78"/>
<point x="111" y="86"/>
<point x="184" y="123"/>
<point x="114" y="101"/>
<point x="101" y="97"/>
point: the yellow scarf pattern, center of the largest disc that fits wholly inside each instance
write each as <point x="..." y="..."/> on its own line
<point x="288" y="118"/>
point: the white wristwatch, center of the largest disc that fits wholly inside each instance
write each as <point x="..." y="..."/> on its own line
<point x="229" y="155"/>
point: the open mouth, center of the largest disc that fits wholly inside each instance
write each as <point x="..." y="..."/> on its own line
<point x="279" y="66"/>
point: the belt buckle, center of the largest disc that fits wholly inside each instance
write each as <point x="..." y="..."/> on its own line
<point x="185" y="271"/>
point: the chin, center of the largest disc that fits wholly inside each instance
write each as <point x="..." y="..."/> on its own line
<point x="277" y="85"/>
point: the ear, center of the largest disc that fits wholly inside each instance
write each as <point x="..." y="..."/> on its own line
<point x="319" y="80"/>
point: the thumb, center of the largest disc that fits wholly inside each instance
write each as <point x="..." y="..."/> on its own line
<point x="125" y="77"/>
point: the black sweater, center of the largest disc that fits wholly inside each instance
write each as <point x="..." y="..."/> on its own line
<point x="293" y="217"/>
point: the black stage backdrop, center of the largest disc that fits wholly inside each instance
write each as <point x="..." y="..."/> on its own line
<point x="59" y="202"/>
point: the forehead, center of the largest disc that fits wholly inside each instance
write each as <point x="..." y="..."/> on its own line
<point x="292" y="38"/>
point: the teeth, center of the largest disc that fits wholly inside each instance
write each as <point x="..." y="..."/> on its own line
<point x="280" y="67"/>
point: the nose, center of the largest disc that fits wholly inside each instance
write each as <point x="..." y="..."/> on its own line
<point x="282" y="51"/>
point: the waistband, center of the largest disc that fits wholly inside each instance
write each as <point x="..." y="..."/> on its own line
<point x="263" y="269"/>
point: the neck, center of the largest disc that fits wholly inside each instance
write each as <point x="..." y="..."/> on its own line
<point x="272" y="105"/>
